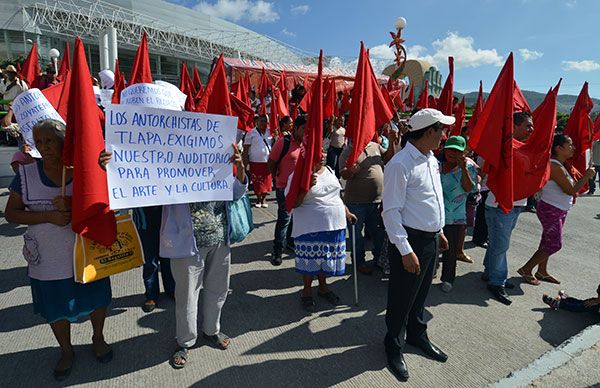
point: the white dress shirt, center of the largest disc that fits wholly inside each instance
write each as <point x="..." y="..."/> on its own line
<point x="412" y="196"/>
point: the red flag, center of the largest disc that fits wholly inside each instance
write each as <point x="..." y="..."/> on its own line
<point x="492" y="137"/>
<point x="244" y="113"/>
<point x="263" y="90"/>
<point x="283" y="89"/>
<point x="579" y="128"/>
<point x="91" y="215"/>
<point x="369" y="110"/>
<point x="388" y="99"/>
<point x="311" y="153"/>
<point x="446" y="101"/>
<point x="411" y="96"/>
<point x="476" y="111"/>
<point x="140" y="73"/>
<point x="519" y="102"/>
<point x="187" y="87"/>
<point x="30" y="69"/>
<point x="346" y="103"/>
<point x="274" y="114"/>
<point x="329" y="99"/>
<point x="306" y="101"/>
<point x="531" y="159"/>
<point x="248" y="83"/>
<point x="65" y="63"/>
<point x="119" y="84"/>
<point x="460" y="118"/>
<point x="396" y="96"/>
<point x="197" y="81"/>
<point x="216" y="94"/>
<point x="424" y="97"/>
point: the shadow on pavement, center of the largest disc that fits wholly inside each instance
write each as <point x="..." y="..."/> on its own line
<point x="13" y="278"/>
<point x="558" y="326"/>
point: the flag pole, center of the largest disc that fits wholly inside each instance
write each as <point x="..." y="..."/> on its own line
<point x="63" y="181"/>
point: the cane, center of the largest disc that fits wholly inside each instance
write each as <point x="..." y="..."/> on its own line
<point x="354" y="262"/>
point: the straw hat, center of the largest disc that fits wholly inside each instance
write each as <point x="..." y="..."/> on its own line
<point x="10" y="69"/>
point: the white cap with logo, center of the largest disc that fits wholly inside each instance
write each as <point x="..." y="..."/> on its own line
<point x="427" y="117"/>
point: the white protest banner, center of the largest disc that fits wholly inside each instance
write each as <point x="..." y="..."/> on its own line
<point x="151" y="95"/>
<point x="30" y="108"/>
<point x="106" y="97"/>
<point x="179" y="95"/>
<point x="163" y="157"/>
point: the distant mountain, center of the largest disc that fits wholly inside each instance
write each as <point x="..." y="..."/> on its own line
<point x="564" y="103"/>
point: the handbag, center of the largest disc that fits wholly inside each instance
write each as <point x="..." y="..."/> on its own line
<point x="93" y="261"/>
<point x="239" y="219"/>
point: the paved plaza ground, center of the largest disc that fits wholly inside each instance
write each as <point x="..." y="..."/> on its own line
<point x="276" y="344"/>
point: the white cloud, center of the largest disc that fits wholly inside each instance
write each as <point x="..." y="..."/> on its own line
<point x="464" y="53"/>
<point x="584" y="66"/>
<point x="415" y="51"/>
<point x="382" y="51"/>
<point x="288" y="33"/>
<point x="530" y="55"/>
<point x="235" y="10"/>
<point x="300" y="9"/>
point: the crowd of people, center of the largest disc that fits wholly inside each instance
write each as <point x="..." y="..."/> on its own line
<point x="413" y="192"/>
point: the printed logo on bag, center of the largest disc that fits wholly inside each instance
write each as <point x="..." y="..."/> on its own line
<point x="120" y="250"/>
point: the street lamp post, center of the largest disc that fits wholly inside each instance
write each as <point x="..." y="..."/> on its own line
<point x="54" y="54"/>
<point x="396" y="42"/>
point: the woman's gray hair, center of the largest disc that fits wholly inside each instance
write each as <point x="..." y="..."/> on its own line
<point x="58" y="127"/>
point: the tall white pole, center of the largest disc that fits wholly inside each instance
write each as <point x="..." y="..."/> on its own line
<point x="112" y="47"/>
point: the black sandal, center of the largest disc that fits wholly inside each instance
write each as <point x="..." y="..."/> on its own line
<point x="330" y="297"/>
<point x="308" y="303"/>
<point x="61" y="375"/>
<point x="218" y="340"/>
<point x="181" y="354"/>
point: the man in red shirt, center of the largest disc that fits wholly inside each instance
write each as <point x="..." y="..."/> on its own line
<point x="282" y="161"/>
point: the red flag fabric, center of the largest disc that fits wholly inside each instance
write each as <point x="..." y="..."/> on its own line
<point x="187" y="87"/>
<point x="369" y="111"/>
<point x="90" y="212"/>
<point x="235" y="88"/>
<point x="274" y="114"/>
<point x="119" y="84"/>
<point x="387" y="98"/>
<point x="579" y="128"/>
<point x="140" y="73"/>
<point x="411" y="96"/>
<point x="248" y="84"/>
<point x="492" y="137"/>
<point x="476" y="111"/>
<point x="305" y="103"/>
<point x="445" y="103"/>
<point x="396" y="96"/>
<point x="531" y="159"/>
<point x="519" y="102"/>
<point x="197" y="81"/>
<point x="311" y="153"/>
<point x="283" y="89"/>
<point x="329" y="99"/>
<point x="30" y="69"/>
<point x="282" y="108"/>
<point x="424" y="97"/>
<point x="460" y="118"/>
<point x="244" y="113"/>
<point x="216" y="94"/>
<point x="346" y="103"/>
<point x="65" y="63"/>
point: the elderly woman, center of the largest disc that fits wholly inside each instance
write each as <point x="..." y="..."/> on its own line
<point x="35" y="200"/>
<point x="319" y="233"/>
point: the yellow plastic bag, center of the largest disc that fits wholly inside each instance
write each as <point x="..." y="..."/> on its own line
<point x="93" y="261"/>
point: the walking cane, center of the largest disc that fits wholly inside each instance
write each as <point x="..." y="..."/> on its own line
<point x="354" y="263"/>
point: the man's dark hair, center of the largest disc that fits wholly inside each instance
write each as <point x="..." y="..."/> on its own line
<point x="284" y="120"/>
<point x="519" y="117"/>
<point x="300" y="120"/>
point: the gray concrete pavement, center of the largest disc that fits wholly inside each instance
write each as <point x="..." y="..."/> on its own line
<point x="276" y="344"/>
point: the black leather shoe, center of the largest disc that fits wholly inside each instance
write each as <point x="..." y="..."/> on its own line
<point x="500" y="294"/>
<point x="509" y="285"/>
<point x="483" y="245"/>
<point x="397" y="365"/>
<point x="276" y="259"/>
<point x="430" y="349"/>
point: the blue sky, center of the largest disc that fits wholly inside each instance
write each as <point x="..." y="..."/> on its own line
<point x="550" y="38"/>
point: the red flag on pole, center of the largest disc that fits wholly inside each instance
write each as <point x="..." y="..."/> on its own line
<point x="424" y="97"/>
<point x="91" y="215"/>
<point x="531" y="159"/>
<point x="519" y="102"/>
<point x="460" y="118"/>
<point x="446" y="101"/>
<point x="30" y="69"/>
<point x="140" y="73"/>
<point x="492" y="137"/>
<point x="329" y="101"/>
<point x="187" y="87"/>
<point x="311" y="154"/>
<point x="346" y="103"/>
<point x="119" y="84"/>
<point x="477" y="111"/>
<point x="198" y="88"/>
<point x="244" y="113"/>
<point x="411" y="96"/>
<point x="216" y="94"/>
<point x="387" y="98"/>
<point x="65" y="63"/>
<point x="369" y="110"/>
<point x="283" y="89"/>
<point x="579" y="128"/>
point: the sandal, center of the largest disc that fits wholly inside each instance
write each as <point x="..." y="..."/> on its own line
<point x="179" y="355"/>
<point x="547" y="278"/>
<point x="220" y="340"/>
<point x="464" y="258"/>
<point x="61" y="375"/>
<point x="529" y="279"/>
<point x="148" y="306"/>
<point x="308" y="303"/>
<point x="330" y="297"/>
<point x="105" y="357"/>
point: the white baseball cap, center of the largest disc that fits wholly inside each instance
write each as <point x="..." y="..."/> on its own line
<point x="426" y="117"/>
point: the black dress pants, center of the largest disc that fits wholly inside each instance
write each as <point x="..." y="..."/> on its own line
<point x="407" y="292"/>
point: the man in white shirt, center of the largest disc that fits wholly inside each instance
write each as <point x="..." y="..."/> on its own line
<point x="500" y="225"/>
<point x="413" y="214"/>
<point x="12" y="86"/>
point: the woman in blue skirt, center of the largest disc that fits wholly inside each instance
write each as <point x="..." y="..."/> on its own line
<point x="36" y="200"/>
<point x="319" y="233"/>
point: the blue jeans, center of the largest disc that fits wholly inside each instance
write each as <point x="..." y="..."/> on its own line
<point x="500" y="226"/>
<point x="148" y="220"/>
<point x="283" y="227"/>
<point x="367" y="215"/>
